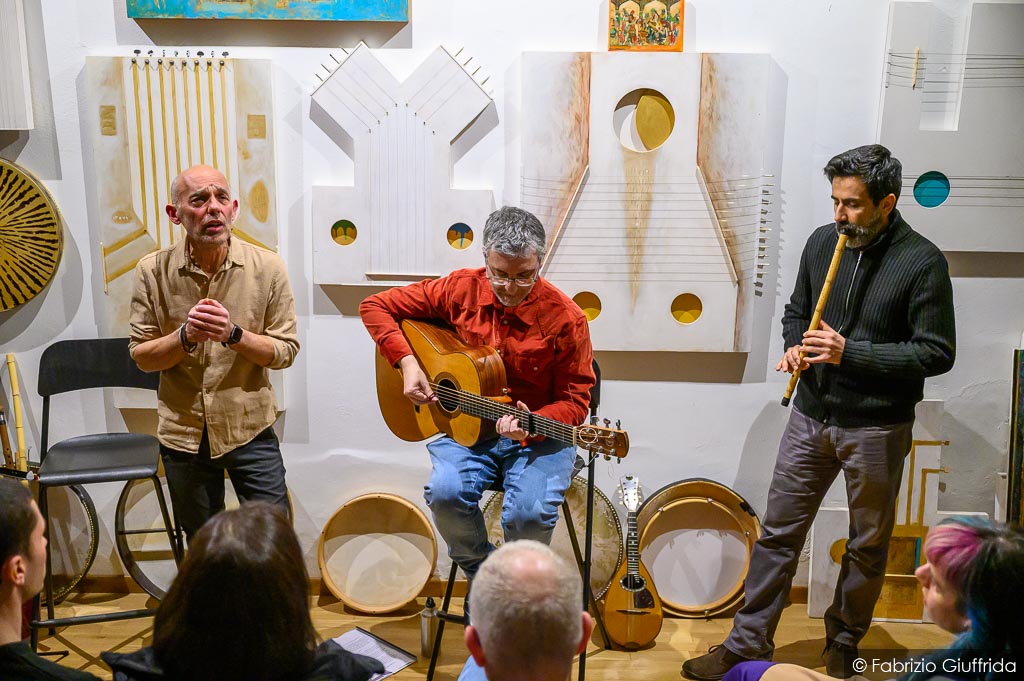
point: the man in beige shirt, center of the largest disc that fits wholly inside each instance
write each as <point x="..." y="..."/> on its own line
<point x="212" y="313"/>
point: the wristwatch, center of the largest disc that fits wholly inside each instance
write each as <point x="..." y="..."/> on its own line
<point x="183" y="338"/>
<point x="235" y="336"/>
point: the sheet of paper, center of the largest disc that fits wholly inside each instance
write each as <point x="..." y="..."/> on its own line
<point x="362" y="642"/>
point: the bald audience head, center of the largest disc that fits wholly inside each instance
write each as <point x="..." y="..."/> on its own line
<point x="528" y="621"/>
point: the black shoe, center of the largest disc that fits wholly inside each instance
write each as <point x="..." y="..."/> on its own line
<point x="713" y="665"/>
<point x="839" y="659"/>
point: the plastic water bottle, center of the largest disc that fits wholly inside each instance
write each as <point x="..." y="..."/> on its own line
<point x="428" y="628"/>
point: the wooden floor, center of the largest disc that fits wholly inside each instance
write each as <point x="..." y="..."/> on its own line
<point x="799" y="638"/>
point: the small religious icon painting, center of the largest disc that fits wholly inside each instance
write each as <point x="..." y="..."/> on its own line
<point x="645" y="25"/>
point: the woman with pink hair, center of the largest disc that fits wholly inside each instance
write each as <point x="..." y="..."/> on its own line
<point x="971" y="582"/>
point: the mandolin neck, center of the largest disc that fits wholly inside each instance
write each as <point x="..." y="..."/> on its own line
<point x="632" y="545"/>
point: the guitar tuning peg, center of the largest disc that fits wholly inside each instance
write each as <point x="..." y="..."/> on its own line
<point x="607" y="422"/>
<point x="618" y="424"/>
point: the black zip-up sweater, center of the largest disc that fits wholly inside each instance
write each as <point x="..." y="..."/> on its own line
<point x="893" y="303"/>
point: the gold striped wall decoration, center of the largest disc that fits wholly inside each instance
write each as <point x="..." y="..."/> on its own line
<point x="31" y="236"/>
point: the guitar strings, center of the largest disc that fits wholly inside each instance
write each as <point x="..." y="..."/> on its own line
<point x="493" y="410"/>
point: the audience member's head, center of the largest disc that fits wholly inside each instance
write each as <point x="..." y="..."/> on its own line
<point x="971" y="582"/>
<point x="238" y="608"/>
<point x="528" y="619"/>
<point x="22" y="543"/>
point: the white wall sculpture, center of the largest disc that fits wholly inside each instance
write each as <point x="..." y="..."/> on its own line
<point x="648" y="172"/>
<point x="952" y="101"/>
<point x="15" y="92"/>
<point x="401" y="220"/>
<point x="151" y="118"/>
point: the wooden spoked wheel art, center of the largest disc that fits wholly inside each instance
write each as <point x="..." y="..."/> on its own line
<point x="31" y="236"/>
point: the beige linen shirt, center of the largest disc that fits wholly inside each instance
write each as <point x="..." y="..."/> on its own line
<point x="214" y="386"/>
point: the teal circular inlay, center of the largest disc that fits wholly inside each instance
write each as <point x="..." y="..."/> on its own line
<point x="931" y="189"/>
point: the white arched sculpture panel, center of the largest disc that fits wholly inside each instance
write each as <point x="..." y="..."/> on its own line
<point x="153" y="117"/>
<point x="401" y="220"/>
<point x="648" y="171"/>
<point x="951" y="112"/>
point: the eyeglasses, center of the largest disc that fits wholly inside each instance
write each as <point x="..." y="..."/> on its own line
<point x="505" y="281"/>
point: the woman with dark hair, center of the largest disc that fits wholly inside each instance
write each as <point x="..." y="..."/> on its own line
<point x="971" y="584"/>
<point x="238" y="610"/>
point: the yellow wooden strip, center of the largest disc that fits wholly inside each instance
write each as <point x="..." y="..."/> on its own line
<point x="224" y="110"/>
<point x="138" y="134"/>
<point x="123" y="241"/>
<point x="199" y="116"/>
<point x="213" y="113"/>
<point x="152" y="153"/>
<point x="163" y="130"/>
<point x="188" y="119"/>
<point x="247" y="237"/>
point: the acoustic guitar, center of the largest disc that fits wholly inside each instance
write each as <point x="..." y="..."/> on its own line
<point x="469" y="382"/>
<point x="632" y="609"/>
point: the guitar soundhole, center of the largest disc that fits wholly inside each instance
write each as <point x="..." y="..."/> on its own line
<point x="633" y="583"/>
<point x="447" y="395"/>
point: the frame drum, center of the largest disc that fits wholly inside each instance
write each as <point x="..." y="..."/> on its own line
<point x="73" y="535"/>
<point x="607" y="538"/>
<point x="377" y="552"/>
<point x="696" y="536"/>
<point x="140" y="537"/>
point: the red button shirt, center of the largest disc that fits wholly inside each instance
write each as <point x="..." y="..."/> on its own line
<point x="544" y="341"/>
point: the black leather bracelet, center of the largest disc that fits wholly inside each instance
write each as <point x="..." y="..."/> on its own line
<point x="183" y="337"/>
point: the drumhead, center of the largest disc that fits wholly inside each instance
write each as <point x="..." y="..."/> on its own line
<point x="377" y="552"/>
<point x="607" y="533"/>
<point x="695" y="539"/>
<point x="141" y="539"/>
<point x="73" y="535"/>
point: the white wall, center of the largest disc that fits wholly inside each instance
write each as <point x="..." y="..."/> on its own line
<point x="717" y="417"/>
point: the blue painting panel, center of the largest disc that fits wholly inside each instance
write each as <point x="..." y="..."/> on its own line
<point x="307" y="10"/>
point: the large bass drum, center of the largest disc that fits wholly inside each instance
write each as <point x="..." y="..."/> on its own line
<point x="696" y="537"/>
<point x="607" y="536"/>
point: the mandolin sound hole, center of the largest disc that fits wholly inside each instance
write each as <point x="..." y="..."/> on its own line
<point x="447" y="395"/>
<point x="633" y="583"/>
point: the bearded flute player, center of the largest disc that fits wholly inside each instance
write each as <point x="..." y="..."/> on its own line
<point x="887" y="325"/>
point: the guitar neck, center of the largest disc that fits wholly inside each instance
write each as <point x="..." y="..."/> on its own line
<point x="632" y="545"/>
<point x="485" y="408"/>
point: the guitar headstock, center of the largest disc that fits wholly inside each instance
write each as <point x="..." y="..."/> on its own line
<point x="630" y="492"/>
<point x="603" y="440"/>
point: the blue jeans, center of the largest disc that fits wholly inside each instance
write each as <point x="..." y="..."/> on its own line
<point x="534" y="477"/>
<point x="196" y="482"/>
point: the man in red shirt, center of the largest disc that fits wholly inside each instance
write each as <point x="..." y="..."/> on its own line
<point x="543" y="339"/>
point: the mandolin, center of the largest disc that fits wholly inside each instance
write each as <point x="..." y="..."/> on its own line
<point x="632" y="609"/>
<point x="469" y="382"/>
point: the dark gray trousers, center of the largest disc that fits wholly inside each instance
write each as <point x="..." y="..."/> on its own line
<point x="811" y="454"/>
<point x="196" y="482"/>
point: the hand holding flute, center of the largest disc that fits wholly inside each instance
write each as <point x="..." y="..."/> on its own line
<point x="826" y="343"/>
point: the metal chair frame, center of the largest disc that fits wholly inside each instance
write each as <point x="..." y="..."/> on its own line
<point x="68" y="366"/>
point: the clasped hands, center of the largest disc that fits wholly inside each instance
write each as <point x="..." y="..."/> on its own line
<point x="208" y="320"/>
<point x="417" y="388"/>
<point x="824" y="346"/>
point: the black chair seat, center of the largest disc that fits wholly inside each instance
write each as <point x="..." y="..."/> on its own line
<point x="106" y="457"/>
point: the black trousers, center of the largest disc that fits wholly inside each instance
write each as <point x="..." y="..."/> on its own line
<point x="196" y="482"/>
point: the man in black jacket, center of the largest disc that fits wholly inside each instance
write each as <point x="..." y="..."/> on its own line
<point x="22" y="572"/>
<point x="887" y="326"/>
